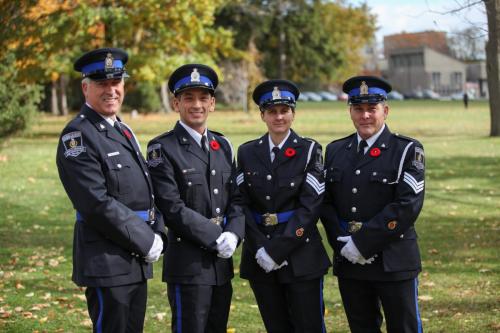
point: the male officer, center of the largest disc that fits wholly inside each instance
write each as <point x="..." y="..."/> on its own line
<point x="374" y="193"/>
<point x="117" y="233"/>
<point x="193" y="171"/>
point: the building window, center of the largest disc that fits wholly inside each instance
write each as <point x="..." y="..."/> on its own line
<point x="456" y="80"/>
<point x="436" y="80"/>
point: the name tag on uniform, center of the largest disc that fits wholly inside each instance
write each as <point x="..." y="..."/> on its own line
<point x="113" y="153"/>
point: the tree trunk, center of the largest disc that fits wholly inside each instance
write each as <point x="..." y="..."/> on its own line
<point x="164" y="98"/>
<point x="493" y="63"/>
<point x="63" y="82"/>
<point x="54" y="106"/>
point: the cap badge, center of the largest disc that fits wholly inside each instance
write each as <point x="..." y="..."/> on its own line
<point x="195" y="75"/>
<point x="363" y="89"/>
<point x="108" y="62"/>
<point x="276" y="93"/>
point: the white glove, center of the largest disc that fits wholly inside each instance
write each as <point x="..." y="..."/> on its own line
<point x="155" y="251"/>
<point x="351" y="252"/>
<point x="283" y="264"/>
<point x="265" y="261"/>
<point x="226" y="244"/>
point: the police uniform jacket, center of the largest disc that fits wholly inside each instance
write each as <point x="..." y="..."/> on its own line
<point x="384" y="189"/>
<point x="293" y="182"/>
<point x="107" y="180"/>
<point x="191" y="187"/>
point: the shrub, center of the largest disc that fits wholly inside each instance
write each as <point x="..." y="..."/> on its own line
<point x="18" y="102"/>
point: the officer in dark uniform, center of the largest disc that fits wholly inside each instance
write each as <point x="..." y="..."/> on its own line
<point x="117" y="233"/>
<point x="281" y="178"/>
<point x="374" y="193"/>
<point x="193" y="173"/>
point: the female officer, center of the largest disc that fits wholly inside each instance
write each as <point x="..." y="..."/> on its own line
<point x="281" y="178"/>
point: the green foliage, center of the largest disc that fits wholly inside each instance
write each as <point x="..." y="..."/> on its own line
<point x="18" y="103"/>
<point x="314" y="43"/>
<point x="144" y="97"/>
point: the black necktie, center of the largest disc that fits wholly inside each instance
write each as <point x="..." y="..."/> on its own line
<point x="204" y="144"/>
<point x="361" y="148"/>
<point x="276" y="151"/>
<point x="117" y="126"/>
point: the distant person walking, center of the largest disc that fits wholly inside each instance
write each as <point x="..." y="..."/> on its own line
<point x="466" y="100"/>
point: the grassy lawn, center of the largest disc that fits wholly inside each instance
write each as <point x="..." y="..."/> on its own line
<point x="458" y="227"/>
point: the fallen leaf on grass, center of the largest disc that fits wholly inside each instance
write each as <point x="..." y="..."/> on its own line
<point x="433" y="251"/>
<point x="31" y="180"/>
<point x="30" y="294"/>
<point x="428" y="284"/>
<point x="28" y="315"/>
<point x="18" y="308"/>
<point x="425" y="298"/>
<point x="53" y="263"/>
<point x="80" y="297"/>
<point x="159" y="316"/>
<point x="484" y="270"/>
<point x="6" y="314"/>
<point x="87" y="323"/>
<point x="43" y="319"/>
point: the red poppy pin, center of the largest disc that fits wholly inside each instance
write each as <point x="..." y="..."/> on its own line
<point x="214" y="145"/>
<point x="290" y="152"/>
<point x="375" y="152"/>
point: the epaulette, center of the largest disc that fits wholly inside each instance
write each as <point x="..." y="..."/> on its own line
<point x="163" y="135"/>
<point x="217" y="133"/>
<point x="310" y="140"/>
<point x="349" y="137"/>
<point x="78" y="119"/>
<point x="250" y="141"/>
<point x="403" y="137"/>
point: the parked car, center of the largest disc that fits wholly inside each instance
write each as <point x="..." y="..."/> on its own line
<point x="303" y="97"/>
<point x="395" y="95"/>
<point x="328" y="96"/>
<point x="312" y="96"/>
<point x="429" y="94"/>
<point x="343" y="97"/>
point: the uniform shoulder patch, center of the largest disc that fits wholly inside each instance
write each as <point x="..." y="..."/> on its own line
<point x="73" y="144"/>
<point x="419" y="159"/>
<point x="154" y="155"/>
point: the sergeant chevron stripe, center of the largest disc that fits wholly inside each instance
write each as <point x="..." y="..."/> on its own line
<point x="240" y="179"/>
<point x="315" y="184"/>
<point x="412" y="182"/>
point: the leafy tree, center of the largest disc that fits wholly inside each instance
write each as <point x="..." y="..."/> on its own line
<point x="311" y="42"/>
<point x="17" y="102"/>
<point x="48" y="35"/>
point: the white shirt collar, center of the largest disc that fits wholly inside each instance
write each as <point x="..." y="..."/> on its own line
<point x="194" y="134"/>
<point x="271" y="144"/>
<point x="109" y="120"/>
<point x="371" y="140"/>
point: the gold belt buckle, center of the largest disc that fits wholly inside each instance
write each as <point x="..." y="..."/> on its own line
<point x="354" y="226"/>
<point x="269" y="219"/>
<point x="217" y="220"/>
